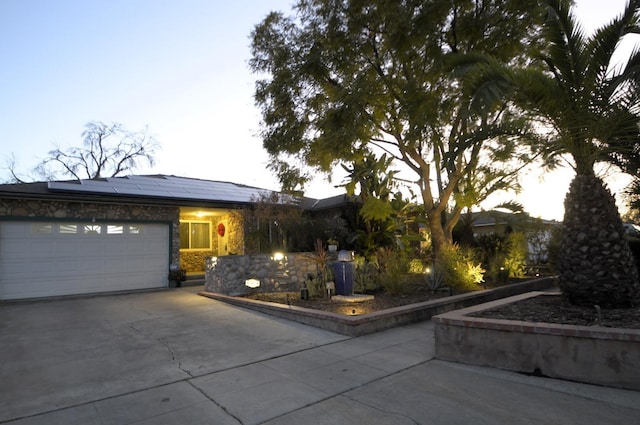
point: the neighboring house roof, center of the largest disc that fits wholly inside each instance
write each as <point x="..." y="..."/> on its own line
<point x="333" y="202"/>
<point x="493" y="218"/>
<point x="484" y="219"/>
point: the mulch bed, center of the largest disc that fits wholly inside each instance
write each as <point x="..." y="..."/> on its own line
<point x="380" y="301"/>
<point x="553" y="309"/>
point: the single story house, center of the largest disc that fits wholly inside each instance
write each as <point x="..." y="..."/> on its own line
<point x="114" y="234"/>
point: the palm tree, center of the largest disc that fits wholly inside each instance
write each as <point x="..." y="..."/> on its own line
<point x="593" y="107"/>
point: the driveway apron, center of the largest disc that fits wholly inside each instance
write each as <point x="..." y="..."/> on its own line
<point x="173" y="357"/>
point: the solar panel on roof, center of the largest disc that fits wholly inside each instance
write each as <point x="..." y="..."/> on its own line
<point x="167" y="187"/>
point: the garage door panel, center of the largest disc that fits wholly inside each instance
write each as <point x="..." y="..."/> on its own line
<point x="36" y="264"/>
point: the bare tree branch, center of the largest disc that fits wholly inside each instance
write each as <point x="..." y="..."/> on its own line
<point x="107" y="150"/>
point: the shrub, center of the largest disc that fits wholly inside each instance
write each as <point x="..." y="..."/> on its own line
<point x="366" y="276"/>
<point x="393" y="265"/>
<point x="503" y="256"/>
<point x="515" y="262"/>
<point x="460" y="269"/>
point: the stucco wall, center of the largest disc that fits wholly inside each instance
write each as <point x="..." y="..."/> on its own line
<point x="38" y="210"/>
<point x="591" y="354"/>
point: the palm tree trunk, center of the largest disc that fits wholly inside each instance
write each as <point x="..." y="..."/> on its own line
<point x="595" y="264"/>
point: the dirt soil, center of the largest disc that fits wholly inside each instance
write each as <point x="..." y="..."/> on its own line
<point x="549" y="309"/>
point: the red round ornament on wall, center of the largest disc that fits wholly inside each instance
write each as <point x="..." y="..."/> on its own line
<point x="221" y="229"/>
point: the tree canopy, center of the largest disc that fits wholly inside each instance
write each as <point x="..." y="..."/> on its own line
<point x="344" y="78"/>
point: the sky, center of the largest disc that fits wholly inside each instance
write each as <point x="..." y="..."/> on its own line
<point x="177" y="67"/>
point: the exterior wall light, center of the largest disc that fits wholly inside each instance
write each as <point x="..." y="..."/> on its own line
<point x="252" y="283"/>
<point x="278" y="256"/>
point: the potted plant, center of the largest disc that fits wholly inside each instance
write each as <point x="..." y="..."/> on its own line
<point x="176" y="276"/>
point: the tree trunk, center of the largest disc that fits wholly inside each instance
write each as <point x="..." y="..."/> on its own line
<point x="439" y="238"/>
<point x="595" y="264"/>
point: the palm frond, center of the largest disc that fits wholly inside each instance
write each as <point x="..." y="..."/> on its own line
<point x="605" y="40"/>
<point x="566" y="54"/>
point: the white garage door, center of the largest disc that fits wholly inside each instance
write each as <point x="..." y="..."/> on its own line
<point x="40" y="259"/>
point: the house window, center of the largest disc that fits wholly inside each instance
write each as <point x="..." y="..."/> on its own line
<point x="195" y="235"/>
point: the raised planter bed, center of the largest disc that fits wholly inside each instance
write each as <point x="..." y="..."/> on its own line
<point x="385" y="319"/>
<point x="590" y="354"/>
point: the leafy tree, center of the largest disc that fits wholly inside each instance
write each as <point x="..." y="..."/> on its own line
<point x="345" y="78"/>
<point x="108" y="150"/>
<point x="374" y="182"/>
<point x="274" y="222"/>
<point x="592" y="107"/>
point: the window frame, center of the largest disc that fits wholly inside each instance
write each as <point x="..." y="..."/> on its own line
<point x="189" y="232"/>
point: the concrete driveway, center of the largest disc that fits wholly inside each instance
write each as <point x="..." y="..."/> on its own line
<point x="61" y="353"/>
<point x="173" y="357"/>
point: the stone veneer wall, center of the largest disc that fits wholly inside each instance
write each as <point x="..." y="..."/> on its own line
<point x="236" y="233"/>
<point x="194" y="261"/>
<point x="227" y="274"/>
<point x="40" y="209"/>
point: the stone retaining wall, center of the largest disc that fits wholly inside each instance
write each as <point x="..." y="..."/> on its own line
<point x="228" y="274"/>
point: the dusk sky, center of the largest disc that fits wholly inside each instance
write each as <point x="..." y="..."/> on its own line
<point x="178" y="67"/>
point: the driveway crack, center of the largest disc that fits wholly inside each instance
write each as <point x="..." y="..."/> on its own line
<point x="224" y="409"/>
<point x="379" y="409"/>
<point x="166" y="345"/>
<point x="174" y="359"/>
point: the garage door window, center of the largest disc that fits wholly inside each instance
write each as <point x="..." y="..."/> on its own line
<point x="88" y="229"/>
<point x="68" y="229"/>
<point x="195" y="235"/>
<point x="42" y="228"/>
<point x="92" y="229"/>
<point x="115" y="229"/>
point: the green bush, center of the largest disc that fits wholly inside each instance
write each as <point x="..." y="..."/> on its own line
<point x="503" y="256"/>
<point x="460" y="269"/>
<point x="515" y="262"/>
<point x="366" y="277"/>
<point x="393" y="266"/>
